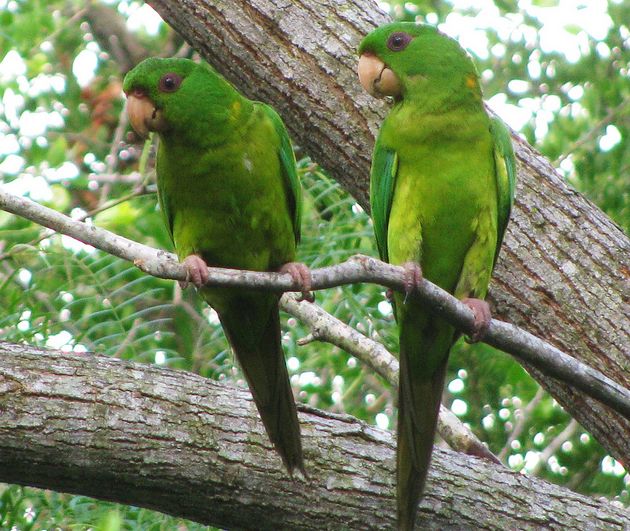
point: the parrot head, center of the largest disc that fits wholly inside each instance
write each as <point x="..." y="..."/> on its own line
<point x="400" y="57"/>
<point x="166" y="95"/>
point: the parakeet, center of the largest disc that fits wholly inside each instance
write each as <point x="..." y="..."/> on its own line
<point x="229" y="191"/>
<point x="441" y="189"/>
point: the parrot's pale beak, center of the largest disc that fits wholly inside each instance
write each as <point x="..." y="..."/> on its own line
<point x="377" y="78"/>
<point x="143" y="114"/>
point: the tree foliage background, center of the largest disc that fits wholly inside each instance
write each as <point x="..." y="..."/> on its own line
<point x="64" y="142"/>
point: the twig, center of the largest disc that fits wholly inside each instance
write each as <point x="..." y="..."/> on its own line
<point x="523" y="417"/>
<point x="520" y="344"/>
<point x="553" y="446"/>
<point x="69" y="22"/>
<point x="325" y="327"/>
<point x="138" y="191"/>
<point x="586" y="470"/>
<point x="593" y="132"/>
<point x="112" y="157"/>
<point x="134" y="177"/>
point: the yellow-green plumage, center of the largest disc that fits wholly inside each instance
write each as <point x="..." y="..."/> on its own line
<point x="441" y="190"/>
<point x="228" y="188"/>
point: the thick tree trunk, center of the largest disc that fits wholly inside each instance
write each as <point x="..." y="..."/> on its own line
<point x="191" y="447"/>
<point x="564" y="270"/>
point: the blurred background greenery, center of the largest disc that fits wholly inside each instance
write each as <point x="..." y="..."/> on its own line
<point x="556" y="71"/>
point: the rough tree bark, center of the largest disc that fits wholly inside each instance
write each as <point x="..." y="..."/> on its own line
<point x="195" y="448"/>
<point x="565" y="268"/>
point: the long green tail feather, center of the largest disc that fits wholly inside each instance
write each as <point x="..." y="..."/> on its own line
<point x="424" y="346"/>
<point x="255" y="339"/>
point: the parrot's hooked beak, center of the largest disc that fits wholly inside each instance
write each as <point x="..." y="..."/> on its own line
<point x="143" y="114"/>
<point x="377" y="78"/>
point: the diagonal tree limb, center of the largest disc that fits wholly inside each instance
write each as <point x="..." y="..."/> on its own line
<point x="520" y="344"/>
<point x="325" y="327"/>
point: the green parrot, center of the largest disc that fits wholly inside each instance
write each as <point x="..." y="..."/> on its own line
<point x="441" y="190"/>
<point x="229" y="191"/>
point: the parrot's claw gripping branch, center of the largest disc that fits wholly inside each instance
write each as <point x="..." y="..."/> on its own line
<point x="196" y="271"/>
<point x="412" y="277"/>
<point x="301" y="276"/>
<point x="483" y="318"/>
<point x="519" y="343"/>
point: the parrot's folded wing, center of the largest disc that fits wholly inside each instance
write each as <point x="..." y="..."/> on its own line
<point x="505" y="171"/>
<point x="383" y="180"/>
<point x="289" y="169"/>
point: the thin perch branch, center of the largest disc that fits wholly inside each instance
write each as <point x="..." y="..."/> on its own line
<point x="504" y="336"/>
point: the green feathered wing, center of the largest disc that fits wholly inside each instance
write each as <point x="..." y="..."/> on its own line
<point x="505" y="171"/>
<point x="288" y="169"/>
<point x="382" y="182"/>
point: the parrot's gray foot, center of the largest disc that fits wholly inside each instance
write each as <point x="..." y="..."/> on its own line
<point x="412" y="277"/>
<point x="196" y="271"/>
<point x="483" y="316"/>
<point x="301" y="276"/>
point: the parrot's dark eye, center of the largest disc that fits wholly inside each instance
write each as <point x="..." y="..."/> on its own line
<point x="170" y="82"/>
<point x="398" y="41"/>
